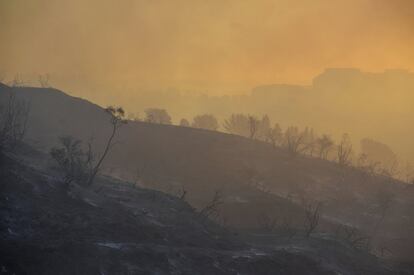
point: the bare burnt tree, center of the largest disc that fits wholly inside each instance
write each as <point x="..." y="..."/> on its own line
<point x="211" y="210"/>
<point x="117" y="119"/>
<point x="248" y="126"/>
<point x="263" y="128"/>
<point x="184" y="123"/>
<point x="253" y="126"/>
<point x="368" y="166"/>
<point x="275" y="135"/>
<point x="312" y="217"/>
<point x="344" y="151"/>
<point x="237" y="124"/>
<point x="324" y="145"/>
<point x="205" y="121"/>
<point x="14" y="115"/>
<point x="381" y="153"/>
<point x="156" y="115"/>
<point x="353" y="237"/>
<point x="44" y="80"/>
<point x="309" y="141"/>
<point x="294" y="140"/>
<point x="391" y="169"/>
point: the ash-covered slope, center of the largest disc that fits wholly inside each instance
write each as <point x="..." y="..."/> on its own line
<point x="118" y="228"/>
<point x="254" y="178"/>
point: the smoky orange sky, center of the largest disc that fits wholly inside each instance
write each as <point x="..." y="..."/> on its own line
<point x="215" y="45"/>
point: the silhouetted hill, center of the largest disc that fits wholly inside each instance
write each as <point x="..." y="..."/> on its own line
<point x="255" y="179"/>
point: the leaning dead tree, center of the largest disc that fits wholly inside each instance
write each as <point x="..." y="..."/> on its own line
<point x="78" y="164"/>
<point x="14" y="115"/>
<point x="117" y="119"/>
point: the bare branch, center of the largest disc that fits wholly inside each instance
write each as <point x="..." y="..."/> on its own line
<point x="211" y="209"/>
<point x="312" y="216"/>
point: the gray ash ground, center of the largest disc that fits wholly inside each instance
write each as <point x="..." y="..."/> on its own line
<point x="117" y="228"/>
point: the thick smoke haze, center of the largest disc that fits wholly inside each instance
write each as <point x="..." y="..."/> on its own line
<point x="142" y="54"/>
<point x="207" y="137"/>
<point x="213" y="46"/>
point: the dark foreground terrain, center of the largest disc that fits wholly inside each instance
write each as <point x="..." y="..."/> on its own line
<point x="256" y="181"/>
<point x="118" y="228"/>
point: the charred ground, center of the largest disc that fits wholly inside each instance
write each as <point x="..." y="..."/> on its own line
<point x="111" y="227"/>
